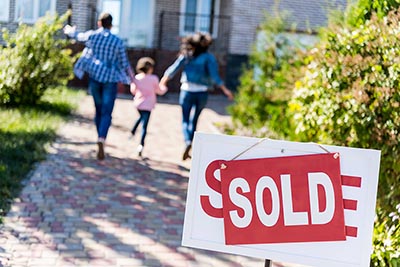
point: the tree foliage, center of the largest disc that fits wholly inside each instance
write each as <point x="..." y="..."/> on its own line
<point x="350" y="95"/>
<point x="362" y="10"/>
<point x="344" y="91"/>
<point x="265" y="84"/>
<point x="33" y="59"/>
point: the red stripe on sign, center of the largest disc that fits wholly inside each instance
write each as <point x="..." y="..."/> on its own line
<point x="351" y="181"/>
<point x="350" y="204"/>
<point x="209" y="209"/>
<point x="351" y="231"/>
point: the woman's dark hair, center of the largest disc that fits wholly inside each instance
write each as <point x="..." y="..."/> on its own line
<point x="197" y="43"/>
<point x="144" y="64"/>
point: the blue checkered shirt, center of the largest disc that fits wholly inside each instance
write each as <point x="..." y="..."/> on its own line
<point x="104" y="57"/>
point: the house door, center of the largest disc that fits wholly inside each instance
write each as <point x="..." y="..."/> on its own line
<point x="133" y="20"/>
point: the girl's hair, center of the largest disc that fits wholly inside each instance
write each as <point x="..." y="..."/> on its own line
<point x="144" y="64"/>
<point x="197" y="44"/>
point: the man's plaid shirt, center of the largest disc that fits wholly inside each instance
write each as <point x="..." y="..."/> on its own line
<point x="104" y="57"/>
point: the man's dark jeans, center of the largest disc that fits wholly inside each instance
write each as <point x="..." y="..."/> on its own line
<point x="104" y="95"/>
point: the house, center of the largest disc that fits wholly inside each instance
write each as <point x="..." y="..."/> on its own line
<point x="154" y="27"/>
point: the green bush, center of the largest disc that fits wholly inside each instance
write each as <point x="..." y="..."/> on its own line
<point x="265" y="85"/>
<point x="350" y="96"/>
<point x="387" y="240"/>
<point x="358" y="12"/>
<point x="33" y="59"/>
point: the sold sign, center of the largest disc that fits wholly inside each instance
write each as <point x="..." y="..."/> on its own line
<point x="284" y="201"/>
<point x="278" y="200"/>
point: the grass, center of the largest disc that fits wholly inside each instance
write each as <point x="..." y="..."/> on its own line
<point x="24" y="134"/>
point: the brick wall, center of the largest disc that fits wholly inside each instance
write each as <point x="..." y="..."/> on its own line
<point x="303" y="14"/>
<point x="84" y="13"/>
<point x="244" y="22"/>
<point x="167" y="6"/>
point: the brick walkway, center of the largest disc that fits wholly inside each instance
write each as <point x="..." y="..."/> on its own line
<point x="123" y="211"/>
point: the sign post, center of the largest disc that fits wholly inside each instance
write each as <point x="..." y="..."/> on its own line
<point x="288" y="201"/>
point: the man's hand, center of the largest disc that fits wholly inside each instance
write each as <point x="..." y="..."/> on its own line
<point x="68" y="29"/>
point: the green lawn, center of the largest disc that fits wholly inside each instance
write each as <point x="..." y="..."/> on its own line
<point x="24" y="134"/>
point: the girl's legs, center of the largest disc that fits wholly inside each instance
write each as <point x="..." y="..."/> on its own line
<point x="136" y="125"/>
<point x="144" y="120"/>
<point x="144" y="117"/>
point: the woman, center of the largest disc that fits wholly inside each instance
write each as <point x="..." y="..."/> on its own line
<point x="200" y="71"/>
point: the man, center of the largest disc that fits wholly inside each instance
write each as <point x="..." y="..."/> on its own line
<point x="104" y="59"/>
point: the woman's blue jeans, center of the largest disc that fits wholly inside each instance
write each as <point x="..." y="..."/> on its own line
<point x="144" y="119"/>
<point x="104" y="95"/>
<point x="192" y="104"/>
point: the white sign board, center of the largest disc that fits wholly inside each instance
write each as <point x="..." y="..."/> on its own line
<point x="207" y="232"/>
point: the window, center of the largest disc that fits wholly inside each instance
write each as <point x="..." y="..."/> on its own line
<point x="199" y="16"/>
<point x="4" y="10"/>
<point x="30" y="10"/>
<point x="133" y="20"/>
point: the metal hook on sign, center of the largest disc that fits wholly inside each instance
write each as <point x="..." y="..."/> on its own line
<point x="335" y="156"/>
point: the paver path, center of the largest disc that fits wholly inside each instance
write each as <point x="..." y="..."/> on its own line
<point x="123" y="211"/>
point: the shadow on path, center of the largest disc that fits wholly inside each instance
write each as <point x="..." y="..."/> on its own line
<point x="108" y="213"/>
<point x="123" y="211"/>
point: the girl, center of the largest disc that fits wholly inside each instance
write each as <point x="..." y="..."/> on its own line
<point x="144" y="88"/>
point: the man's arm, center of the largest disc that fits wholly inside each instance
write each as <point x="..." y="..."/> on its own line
<point x="79" y="36"/>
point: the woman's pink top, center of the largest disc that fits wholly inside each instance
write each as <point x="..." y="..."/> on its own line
<point x="144" y="88"/>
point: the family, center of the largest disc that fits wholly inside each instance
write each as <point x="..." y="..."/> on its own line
<point x="105" y="61"/>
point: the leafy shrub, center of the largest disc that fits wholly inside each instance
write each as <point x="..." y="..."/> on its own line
<point x="265" y="86"/>
<point x="33" y="60"/>
<point x="387" y="240"/>
<point x="360" y="11"/>
<point x="350" y="96"/>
